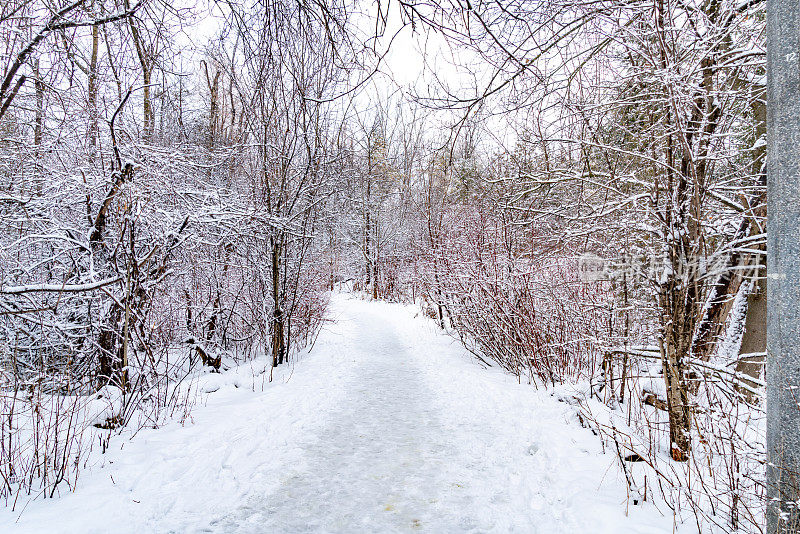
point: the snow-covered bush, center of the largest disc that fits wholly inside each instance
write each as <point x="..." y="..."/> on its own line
<point x="511" y="301"/>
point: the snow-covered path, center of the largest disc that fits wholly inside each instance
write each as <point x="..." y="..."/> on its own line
<point x="375" y="464"/>
<point x="387" y="426"/>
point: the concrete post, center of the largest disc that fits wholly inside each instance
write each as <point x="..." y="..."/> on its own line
<point x="783" y="264"/>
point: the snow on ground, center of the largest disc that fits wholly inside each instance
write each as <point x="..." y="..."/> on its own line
<point x="386" y="426"/>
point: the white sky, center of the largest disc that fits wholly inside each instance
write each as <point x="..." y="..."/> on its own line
<point x="408" y="67"/>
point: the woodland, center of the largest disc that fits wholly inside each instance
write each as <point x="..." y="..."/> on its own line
<point x="575" y="190"/>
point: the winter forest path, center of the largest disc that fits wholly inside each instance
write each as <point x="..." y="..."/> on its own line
<point x="376" y="464"/>
<point x="386" y="426"/>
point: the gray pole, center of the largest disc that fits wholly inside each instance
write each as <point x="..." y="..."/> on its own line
<point x="783" y="264"/>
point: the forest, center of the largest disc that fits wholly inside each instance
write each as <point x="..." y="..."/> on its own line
<point x="574" y="191"/>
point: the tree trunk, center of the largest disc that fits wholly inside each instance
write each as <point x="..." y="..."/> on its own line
<point x="147" y="69"/>
<point x="278" y="341"/>
<point x="39" y="120"/>
<point x="754" y="339"/>
<point x="375" y="259"/>
<point x="110" y="349"/>
<point x="368" y="249"/>
<point x="672" y="357"/>
<point x="92" y="93"/>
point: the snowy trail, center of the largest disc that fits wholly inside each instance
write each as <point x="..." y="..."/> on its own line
<point x="386" y="426"/>
<point x="373" y="466"/>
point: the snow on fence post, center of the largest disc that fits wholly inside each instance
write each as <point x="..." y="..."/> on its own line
<point x="783" y="263"/>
